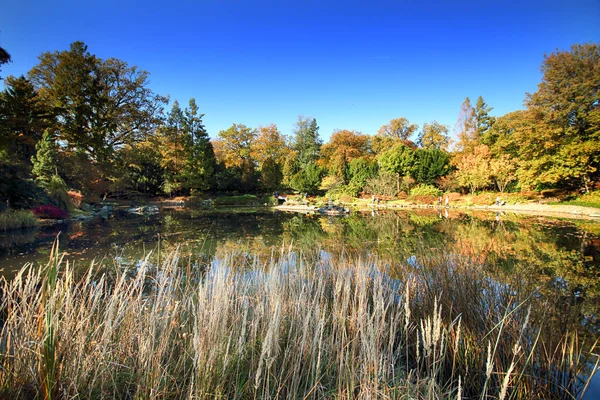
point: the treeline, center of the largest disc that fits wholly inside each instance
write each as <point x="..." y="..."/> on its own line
<point x="91" y="124"/>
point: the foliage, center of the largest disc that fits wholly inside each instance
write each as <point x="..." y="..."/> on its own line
<point x="16" y="219"/>
<point x="465" y="128"/>
<point x="58" y="191"/>
<point x="307" y="142"/>
<point x="243" y="200"/>
<point x="101" y="104"/>
<point x="473" y="170"/>
<point x="343" y="147"/>
<point x="502" y="170"/>
<point x="234" y="145"/>
<point x="425" y="190"/>
<point x="4" y="58"/>
<point x="360" y="170"/>
<point x="270" y="175"/>
<point x="384" y="184"/>
<point x="49" y="211"/>
<point x="483" y="120"/>
<point x="430" y="165"/>
<point x="434" y="136"/>
<point x="23" y="120"/>
<point x="399" y="160"/>
<point x="45" y="160"/>
<point x="398" y="128"/>
<point x="308" y="179"/>
<point x="269" y="144"/>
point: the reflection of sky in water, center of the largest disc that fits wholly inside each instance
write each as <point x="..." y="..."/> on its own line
<point x="558" y="260"/>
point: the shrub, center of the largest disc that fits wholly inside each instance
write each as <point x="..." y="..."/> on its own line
<point x="425" y="190"/>
<point x="16" y="219"/>
<point x="76" y="197"/>
<point x="49" y="211"/>
<point x="58" y="192"/>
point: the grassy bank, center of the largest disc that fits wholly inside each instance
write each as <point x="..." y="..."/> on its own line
<point x="282" y="328"/>
<point x="16" y="219"/>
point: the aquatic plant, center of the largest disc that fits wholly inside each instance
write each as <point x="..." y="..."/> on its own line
<point x="16" y="219"/>
<point x="280" y="328"/>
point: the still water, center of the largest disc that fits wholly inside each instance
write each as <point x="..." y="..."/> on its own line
<point x="555" y="262"/>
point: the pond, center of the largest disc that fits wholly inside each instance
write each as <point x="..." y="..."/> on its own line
<point x="555" y="262"/>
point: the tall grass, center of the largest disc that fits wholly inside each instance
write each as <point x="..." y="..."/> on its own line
<point x="16" y="219"/>
<point x="282" y="328"/>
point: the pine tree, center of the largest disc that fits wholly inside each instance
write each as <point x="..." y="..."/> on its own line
<point x="44" y="161"/>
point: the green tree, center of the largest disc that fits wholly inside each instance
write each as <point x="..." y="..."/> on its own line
<point x="360" y="170"/>
<point x="434" y="136"/>
<point x="308" y="179"/>
<point x="399" y="160"/>
<point x="567" y="103"/>
<point x="307" y="142"/>
<point x="23" y="119"/>
<point x="101" y="104"/>
<point x="270" y="175"/>
<point x="4" y="58"/>
<point x="483" y="120"/>
<point x="200" y="157"/>
<point x="45" y="160"/>
<point x="430" y="165"/>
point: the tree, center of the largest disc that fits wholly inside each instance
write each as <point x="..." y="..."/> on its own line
<point x="483" y="120"/>
<point x="4" y="58"/>
<point x="398" y="128"/>
<point x="398" y="160"/>
<point x="45" y="160"/>
<point x="465" y="128"/>
<point x="430" y="165"/>
<point x="23" y="119"/>
<point x="269" y="144"/>
<point x="434" y="136"/>
<point x="473" y="170"/>
<point x="502" y="170"/>
<point x="270" y="175"/>
<point x="174" y="144"/>
<point x="343" y="147"/>
<point x="307" y="143"/>
<point x="235" y="144"/>
<point x="200" y="160"/>
<point x="568" y="103"/>
<point x="360" y="170"/>
<point x="101" y="104"/>
<point x="308" y="179"/>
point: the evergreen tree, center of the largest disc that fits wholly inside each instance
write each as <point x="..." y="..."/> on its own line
<point x="307" y="143"/>
<point x="483" y="120"/>
<point x="200" y="163"/>
<point x="45" y="160"/>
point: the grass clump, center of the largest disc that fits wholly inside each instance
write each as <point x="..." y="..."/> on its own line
<point x="590" y="199"/>
<point x="283" y="328"/>
<point x="17" y="219"/>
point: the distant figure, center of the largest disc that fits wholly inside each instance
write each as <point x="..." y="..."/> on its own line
<point x="378" y="201"/>
<point x="447" y="201"/>
<point x="440" y="201"/>
<point x="497" y="201"/>
<point x="373" y="199"/>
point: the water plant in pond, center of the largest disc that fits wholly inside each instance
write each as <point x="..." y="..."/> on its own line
<point x="284" y="328"/>
<point x="16" y="219"/>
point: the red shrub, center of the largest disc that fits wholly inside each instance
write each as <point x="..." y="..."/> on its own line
<point x="49" y="211"/>
<point x="76" y="197"/>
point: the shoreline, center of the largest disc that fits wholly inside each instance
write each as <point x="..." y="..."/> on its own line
<point x="561" y="211"/>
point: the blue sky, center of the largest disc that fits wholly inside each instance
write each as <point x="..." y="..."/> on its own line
<point x="351" y="65"/>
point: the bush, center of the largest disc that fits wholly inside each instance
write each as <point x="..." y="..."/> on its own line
<point x="385" y="184"/>
<point x="244" y="200"/>
<point x="425" y="190"/>
<point x="58" y="192"/>
<point x="16" y="219"/>
<point x="49" y="211"/>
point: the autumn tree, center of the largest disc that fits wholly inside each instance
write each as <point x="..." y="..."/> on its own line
<point x="434" y="136"/>
<point x="269" y="144"/>
<point x="235" y="145"/>
<point x="343" y="147"/>
<point x="465" y="128"/>
<point x="567" y="102"/>
<point x="398" y="128"/>
<point x="503" y="171"/>
<point x="473" y="169"/>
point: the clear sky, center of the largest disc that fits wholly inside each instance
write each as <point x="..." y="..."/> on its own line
<point x="349" y="64"/>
